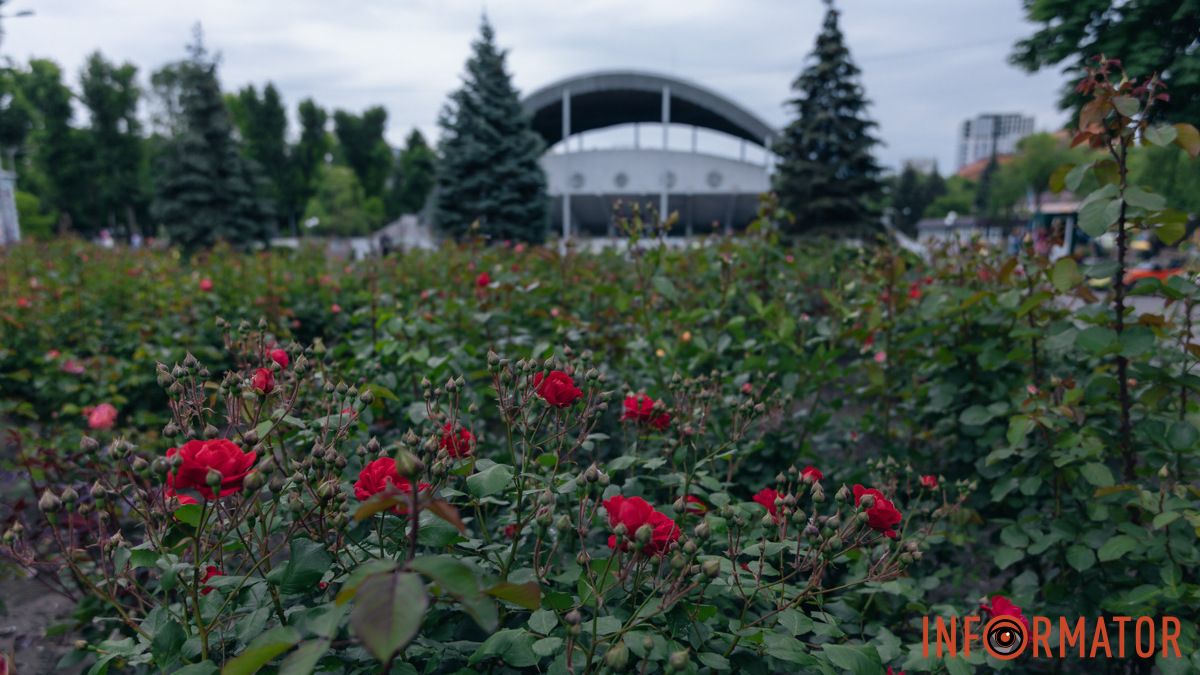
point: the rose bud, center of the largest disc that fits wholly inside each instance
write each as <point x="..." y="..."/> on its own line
<point x="213" y="478"/>
<point x="88" y="444"/>
<point x="711" y="567"/>
<point x="702" y="531"/>
<point x="49" y="503"/>
<point x="679" y="660"/>
<point x="617" y="656"/>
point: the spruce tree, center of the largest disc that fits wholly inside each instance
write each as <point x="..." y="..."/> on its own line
<point x="827" y="176"/>
<point x="207" y="190"/>
<point x="489" y="168"/>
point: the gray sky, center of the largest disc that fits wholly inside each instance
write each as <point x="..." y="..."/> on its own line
<point x="927" y="64"/>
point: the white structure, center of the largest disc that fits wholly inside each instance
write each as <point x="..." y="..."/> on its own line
<point x="10" y="227"/>
<point x="991" y="133"/>
<point x="710" y="193"/>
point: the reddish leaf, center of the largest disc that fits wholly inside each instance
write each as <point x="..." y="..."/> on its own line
<point x="1188" y="138"/>
<point x="527" y="595"/>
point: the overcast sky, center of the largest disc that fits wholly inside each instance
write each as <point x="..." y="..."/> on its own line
<point x="927" y="64"/>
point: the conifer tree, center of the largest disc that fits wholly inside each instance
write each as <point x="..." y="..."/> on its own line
<point x="827" y="176"/>
<point x="412" y="180"/>
<point x="489" y="168"/>
<point x="207" y="190"/>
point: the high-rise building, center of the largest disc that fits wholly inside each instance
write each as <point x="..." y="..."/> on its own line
<point x="991" y="133"/>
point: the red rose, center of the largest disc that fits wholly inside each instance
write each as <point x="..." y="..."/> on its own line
<point x="767" y="497"/>
<point x="882" y="516"/>
<point x="209" y="572"/>
<point x="811" y="472"/>
<point x="206" y="284"/>
<point x="640" y="408"/>
<point x="891" y="672"/>
<point x="510" y="531"/>
<point x="381" y="476"/>
<point x="633" y="513"/>
<point x="458" y="444"/>
<point x="264" y="381"/>
<point x="557" y="388"/>
<point x="483" y="280"/>
<point x="695" y="505"/>
<point x="102" y="416"/>
<point x="929" y="482"/>
<point x="200" y="457"/>
<point x="281" y="357"/>
<point x="181" y="500"/>
<point x="335" y="308"/>
<point x="1002" y="606"/>
<point x="914" y="292"/>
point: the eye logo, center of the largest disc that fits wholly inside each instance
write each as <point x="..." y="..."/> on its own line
<point x="1004" y="637"/>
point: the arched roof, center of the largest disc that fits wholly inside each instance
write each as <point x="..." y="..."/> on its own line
<point x="609" y="98"/>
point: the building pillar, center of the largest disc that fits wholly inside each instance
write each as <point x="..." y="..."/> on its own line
<point x="566" y="134"/>
<point x="695" y="134"/>
<point x="666" y="125"/>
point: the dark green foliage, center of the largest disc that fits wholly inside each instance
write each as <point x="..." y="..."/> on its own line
<point x="262" y="124"/>
<point x="827" y="176"/>
<point x="308" y="155"/>
<point x="489" y="170"/>
<point x="361" y="143"/>
<point x="55" y="149"/>
<point x="207" y="190"/>
<point x="114" y="160"/>
<point x="1148" y="36"/>
<point x="416" y="168"/>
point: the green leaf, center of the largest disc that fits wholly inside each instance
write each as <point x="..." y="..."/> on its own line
<point x="360" y="574"/>
<point x="547" y="646"/>
<point x="262" y="651"/>
<point x="1058" y="179"/>
<point x="543" y="621"/>
<point x="1098" y="340"/>
<point x="491" y="480"/>
<point x="458" y="579"/>
<point x="1182" y="436"/>
<point x="1097" y="474"/>
<point x="1144" y="199"/>
<point x="1116" y="547"/>
<point x="1165" y="518"/>
<point x="188" y="514"/>
<point x="387" y="613"/>
<point x="664" y="287"/>
<point x="1065" y="275"/>
<point x="1161" y="134"/>
<point x="1005" y="556"/>
<point x="1080" y="557"/>
<point x="1075" y="176"/>
<point x="527" y="595"/>
<point x="306" y="565"/>
<point x="975" y="416"/>
<point x="304" y="660"/>
<point x="513" y="645"/>
<point x="168" y="640"/>
<point x="785" y="648"/>
<point x="202" y="668"/>
<point x="795" y="621"/>
<point x="1097" y="212"/>
<point x="714" y="660"/>
<point x="1126" y="105"/>
<point x="1188" y="138"/>
<point x="1136" y="341"/>
<point x="856" y="659"/>
<point x="1170" y="232"/>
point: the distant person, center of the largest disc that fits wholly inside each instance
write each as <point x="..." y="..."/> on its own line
<point x="135" y="240"/>
<point x="1015" y="238"/>
<point x="385" y="245"/>
<point x="106" y="239"/>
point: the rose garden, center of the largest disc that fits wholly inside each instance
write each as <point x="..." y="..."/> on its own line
<point x="760" y="454"/>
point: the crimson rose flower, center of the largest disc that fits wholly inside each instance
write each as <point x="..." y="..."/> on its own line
<point x="206" y="284"/>
<point x="1002" y="606"/>
<point x="882" y="516"/>
<point x="557" y="388"/>
<point x="813" y="472"/>
<point x="281" y="357"/>
<point x="929" y="482"/>
<point x="695" y="505"/>
<point x="633" y="513"/>
<point x="459" y="443"/>
<point x="381" y="476"/>
<point x="200" y="457"/>
<point x="263" y="381"/>
<point x="640" y="408"/>
<point x="102" y="416"/>
<point x="767" y="497"/>
<point x="209" y="572"/>
<point x="483" y="280"/>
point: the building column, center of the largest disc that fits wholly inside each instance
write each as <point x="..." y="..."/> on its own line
<point x="566" y="134"/>
<point x="666" y="122"/>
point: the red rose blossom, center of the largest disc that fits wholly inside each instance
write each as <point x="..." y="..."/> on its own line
<point x="263" y="381"/>
<point x="557" y="388"/>
<point x="381" y="476"/>
<point x="281" y="357"/>
<point x="335" y="308"/>
<point x="633" y="513"/>
<point x="209" y="572"/>
<point x="929" y="481"/>
<point x="767" y="497"/>
<point x="1002" y="606"/>
<point x="510" y="531"/>
<point x="882" y="516"/>
<point x="483" y="280"/>
<point x="200" y="457"/>
<point x="813" y="472"/>
<point x="640" y="408"/>
<point x="695" y="505"/>
<point x="206" y="284"/>
<point x="457" y="444"/>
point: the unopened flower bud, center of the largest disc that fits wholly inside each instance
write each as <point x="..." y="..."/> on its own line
<point x="842" y="495"/>
<point x="866" y="501"/>
<point x="711" y="568"/>
<point x="89" y="444"/>
<point x="573" y="617"/>
<point x="702" y="531"/>
<point x="213" y="478"/>
<point x="678" y="660"/>
<point x="49" y="503"/>
<point x="617" y="656"/>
